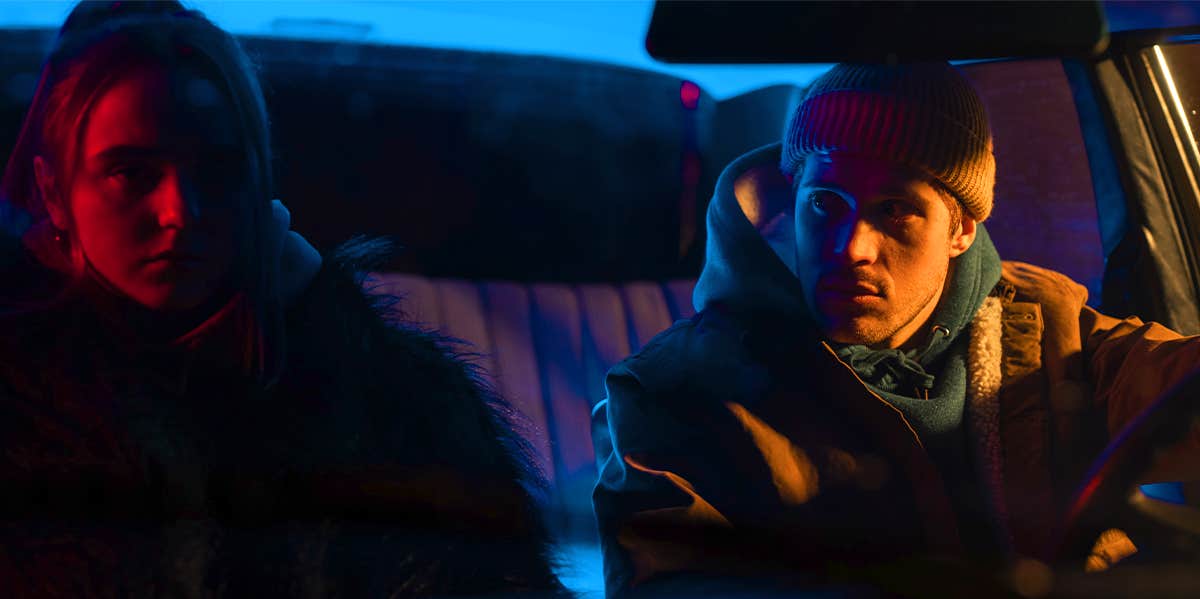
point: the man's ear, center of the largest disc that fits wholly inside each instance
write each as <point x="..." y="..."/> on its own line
<point x="51" y="198"/>
<point x="963" y="237"/>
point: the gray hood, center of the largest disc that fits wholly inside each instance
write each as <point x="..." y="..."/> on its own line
<point x="749" y="260"/>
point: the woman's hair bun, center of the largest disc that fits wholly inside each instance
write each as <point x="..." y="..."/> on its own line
<point x="91" y="14"/>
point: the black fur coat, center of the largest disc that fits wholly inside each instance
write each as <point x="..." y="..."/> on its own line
<point x="379" y="466"/>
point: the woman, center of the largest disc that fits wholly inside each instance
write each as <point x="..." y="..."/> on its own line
<point x="191" y="402"/>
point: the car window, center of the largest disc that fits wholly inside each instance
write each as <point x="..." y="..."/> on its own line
<point x="1171" y="97"/>
<point x="1179" y="64"/>
<point x="609" y="31"/>
<point x="1183" y="63"/>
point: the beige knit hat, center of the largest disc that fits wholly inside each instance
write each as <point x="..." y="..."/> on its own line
<point x="926" y="116"/>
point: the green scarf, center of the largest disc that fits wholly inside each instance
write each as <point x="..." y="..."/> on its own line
<point x="937" y="371"/>
<point x="937" y="367"/>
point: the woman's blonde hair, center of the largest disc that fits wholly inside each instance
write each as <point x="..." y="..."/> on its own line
<point x="98" y="43"/>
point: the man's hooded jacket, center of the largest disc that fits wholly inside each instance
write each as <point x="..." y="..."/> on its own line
<point x="741" y="442"/>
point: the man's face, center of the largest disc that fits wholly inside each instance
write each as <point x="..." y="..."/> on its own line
<point x="874" y="243"/>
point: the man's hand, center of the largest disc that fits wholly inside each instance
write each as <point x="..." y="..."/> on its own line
<point x="298" y="261"/>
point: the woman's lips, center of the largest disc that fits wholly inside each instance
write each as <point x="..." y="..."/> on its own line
<point x="174" y="256"/>
<point x="175" y="263"/>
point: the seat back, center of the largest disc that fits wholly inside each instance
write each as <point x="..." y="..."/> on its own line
<point x="1045" y="205"/>
<point x="546" y="348"/>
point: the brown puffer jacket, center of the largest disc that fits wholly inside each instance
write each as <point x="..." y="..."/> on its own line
<point x="738" y="443"/>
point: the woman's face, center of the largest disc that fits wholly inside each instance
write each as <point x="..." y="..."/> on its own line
<point x="159" y="181"/>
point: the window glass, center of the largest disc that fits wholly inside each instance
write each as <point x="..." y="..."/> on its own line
<point x="610" y="31"/>
<point x="1182" y="62"/>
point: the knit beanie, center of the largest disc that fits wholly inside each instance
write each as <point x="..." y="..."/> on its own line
<point x="926" y="116"/>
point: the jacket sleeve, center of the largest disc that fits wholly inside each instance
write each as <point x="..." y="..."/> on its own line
<point x="1132" y="364"/>
<point x="1127" y="363"/>
<point x="683" y="489"/>
<point x="647" y="488"/>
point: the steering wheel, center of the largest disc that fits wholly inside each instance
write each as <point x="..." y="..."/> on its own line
<point x="1114" y="475"/>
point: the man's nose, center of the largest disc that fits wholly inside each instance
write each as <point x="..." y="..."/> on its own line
<point x="177" y="202"/>
<point x="856" y="241"/>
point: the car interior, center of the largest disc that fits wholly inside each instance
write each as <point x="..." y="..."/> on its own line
<point x="549" y="210"/>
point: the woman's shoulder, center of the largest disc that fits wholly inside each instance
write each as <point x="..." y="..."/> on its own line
<point x="427" y="405"/>
<point x="345" y="320"/>
<point x="31" y="314"/>
<point x="361" y="341"/>
<point x="26" y="285"/>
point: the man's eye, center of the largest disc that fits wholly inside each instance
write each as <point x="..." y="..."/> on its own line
<point x="898" y="209"/>
<point x="821" y="202"/>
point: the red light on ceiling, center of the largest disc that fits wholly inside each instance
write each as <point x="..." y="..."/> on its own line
<point x="689" y="95"/>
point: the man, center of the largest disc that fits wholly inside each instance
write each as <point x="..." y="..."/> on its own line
<point x="864" y="379"/>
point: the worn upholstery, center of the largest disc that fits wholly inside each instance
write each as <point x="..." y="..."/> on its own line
<point x="546" y="347"/>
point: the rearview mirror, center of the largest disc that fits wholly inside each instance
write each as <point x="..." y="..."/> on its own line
<point x="862" y="31"/>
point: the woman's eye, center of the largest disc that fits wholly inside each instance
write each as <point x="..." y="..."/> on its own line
<point x="136" y="178"/>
